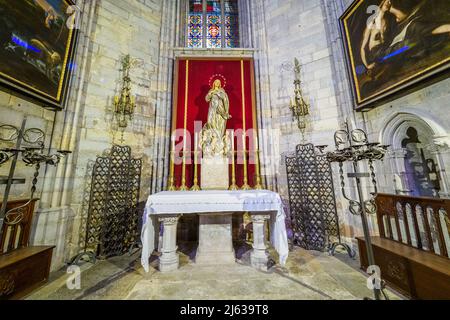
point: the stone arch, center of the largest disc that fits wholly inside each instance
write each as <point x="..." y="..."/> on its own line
<point x="425" y="156"/>
<point x="398" y="123"/>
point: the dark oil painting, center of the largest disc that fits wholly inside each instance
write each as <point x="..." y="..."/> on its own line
<point x="394" y="44"/>
<point x="36" y="41"/>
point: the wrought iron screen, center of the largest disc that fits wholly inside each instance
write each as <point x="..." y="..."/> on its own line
<point x="295" y="200"/>
<point x="113" y="215"/>
<point x="312" y="199"/>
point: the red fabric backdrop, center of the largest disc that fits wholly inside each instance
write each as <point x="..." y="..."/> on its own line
<point x="200" y="73"/>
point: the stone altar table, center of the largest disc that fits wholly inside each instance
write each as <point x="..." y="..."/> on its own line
<point x="215" y="240"/>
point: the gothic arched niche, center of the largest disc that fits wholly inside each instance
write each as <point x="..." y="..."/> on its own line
<point x="414" y="158"/>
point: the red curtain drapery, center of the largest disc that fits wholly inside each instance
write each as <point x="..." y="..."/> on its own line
<point x="193" y="78"/>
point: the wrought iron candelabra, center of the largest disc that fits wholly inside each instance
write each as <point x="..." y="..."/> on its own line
<point x="353" y="146"/>
<point x="32" y="155"/>
<point x="299" y="107"/>
<point x="338" y="243"/>
<point x="124" y="103"/>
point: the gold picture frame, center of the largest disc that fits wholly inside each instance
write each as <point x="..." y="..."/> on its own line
<point x="393" y="46"/>
<point x="37" y="40"/>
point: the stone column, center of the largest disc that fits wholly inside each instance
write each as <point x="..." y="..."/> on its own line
<point x="165" y="61"/>
<point x="397" y="158"/>
<point x="215" y="239"/>
<point x="441" y="151"/>
<point x="169" y="259"/>
<point x="257" y="32"/>
<point x="259" y="256"/>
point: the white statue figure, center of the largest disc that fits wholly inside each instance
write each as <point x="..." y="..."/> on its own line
<point x="213" y="139"/>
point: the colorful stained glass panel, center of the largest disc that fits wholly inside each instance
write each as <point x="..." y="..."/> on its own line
<point x="196" y="6"/>
<point x="206" y="19"/>
<point x="195" y="24"/>
<point x="231" y="24"/>
<point x="214" y="24"/>
<point x="214" y="7"/>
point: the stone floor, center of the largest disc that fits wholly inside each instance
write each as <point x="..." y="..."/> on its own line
<point x="308" y="275"/>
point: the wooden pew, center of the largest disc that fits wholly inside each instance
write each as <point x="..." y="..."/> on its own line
<point x="412" y="250"/>
<point x="22" y="268"/>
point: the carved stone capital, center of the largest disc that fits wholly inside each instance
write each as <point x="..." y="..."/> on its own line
<point x="260" y="218"/>
<point x="442" y="143"/>
<point x="169" y="220"/>
<point x="397" y="153"/>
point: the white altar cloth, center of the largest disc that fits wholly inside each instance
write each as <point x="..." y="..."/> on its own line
<point x="193" y="202"/>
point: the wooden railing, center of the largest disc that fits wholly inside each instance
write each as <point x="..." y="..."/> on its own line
<point x="17" y="235"/>
<point x="418" y="222"/>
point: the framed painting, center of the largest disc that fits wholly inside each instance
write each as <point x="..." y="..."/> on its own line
<point x="392" y="46"/>
<point x="37" y="40"/>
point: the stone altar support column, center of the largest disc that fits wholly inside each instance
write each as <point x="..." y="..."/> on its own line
<point x="215" y="239"/>
<point x="169" y="259"/>
<point x="259" y="257"/>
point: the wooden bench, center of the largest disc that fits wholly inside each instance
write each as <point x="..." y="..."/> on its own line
<point x="412" y="249"/>
<point x="23" y="268"/>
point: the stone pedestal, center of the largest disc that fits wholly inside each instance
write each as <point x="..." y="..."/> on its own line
<point x="214" y="173"/>
<point x="215" y="240"/>
<point x="259" y="257"/>
<point x="169" y="259"/>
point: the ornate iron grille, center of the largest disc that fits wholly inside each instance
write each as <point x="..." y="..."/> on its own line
<point x="113" y="215"/>
<point x="295" y="200"/>
<point x="312" y="199"/>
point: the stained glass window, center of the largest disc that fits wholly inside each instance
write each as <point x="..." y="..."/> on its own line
<point x="231" y="24"/>
<point x="213" y="24"/>
<point x="195" y="24"/>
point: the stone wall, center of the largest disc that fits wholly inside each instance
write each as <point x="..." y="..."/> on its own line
<point x="131" y="27"/>
<point x="109" y="30"/>
<point x="309" y="31"/>
<point x="296" y="29"/>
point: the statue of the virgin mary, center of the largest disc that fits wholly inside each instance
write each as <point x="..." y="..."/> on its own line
<point x="213" y="138"/>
